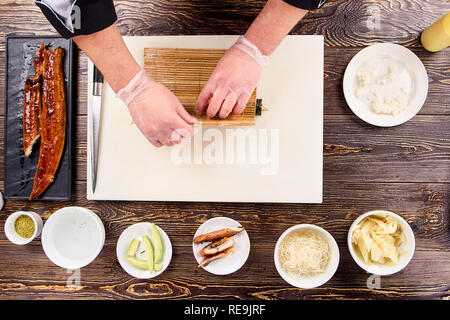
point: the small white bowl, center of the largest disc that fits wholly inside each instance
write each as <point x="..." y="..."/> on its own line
<point x="137" y="230"/>
<point x="319" y="279"/>
<point x="10" y="230"/>
<point x="73" y="237"/>
<point x="408" y="246"/>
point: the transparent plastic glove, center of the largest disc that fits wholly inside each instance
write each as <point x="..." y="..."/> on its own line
<point x="156" y="111"/>
<point x="233" y="81"/>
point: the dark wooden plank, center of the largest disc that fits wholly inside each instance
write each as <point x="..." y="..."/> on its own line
<point x="22" y="17"/>
<point x="344" y="23"/>
<point x="415" y="151"/>
<point x="403" y="169"/>
<point x="424" y="206"/>
<point x="104" y="279"/>
<point x="348" y="23"/>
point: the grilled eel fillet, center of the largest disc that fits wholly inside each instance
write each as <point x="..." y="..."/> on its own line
<point x="208" y="259"/>
<point x="218" y="234"/>
<point x="31" y="110"/>
<point x="32" y="105"/>
<point x="38" y="62"/>
<point x="217" y="246"/>
<point x="52" y="121"/>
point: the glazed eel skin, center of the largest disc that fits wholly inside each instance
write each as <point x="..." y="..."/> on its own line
<point x="32" y="104"/>
<point x="52" y="121"/>
<point x="31" y="110"/>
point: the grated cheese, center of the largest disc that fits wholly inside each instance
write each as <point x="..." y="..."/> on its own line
<point x="303" y="253"/>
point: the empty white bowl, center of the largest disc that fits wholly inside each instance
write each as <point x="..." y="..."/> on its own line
<point x="10" y="229"/>
<point x="316" y="280"/>
<point x="73" y="237"/>
<point x="408" y="246"/>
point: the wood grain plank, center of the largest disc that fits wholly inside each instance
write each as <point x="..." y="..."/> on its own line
<point x="350" y="23"/>
<point x="22" y="17"/>
<point x="105" y="279"/>
<point x="405" y="169"/>
<point x="424" y="206"/>
<point x="343" y="23"/>
<point x="415" y="151"/>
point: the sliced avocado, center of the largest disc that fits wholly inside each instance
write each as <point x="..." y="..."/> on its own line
<point x="143" y="264"/>
<point x="149" y="253"/>
<point x="133" y="247"/>
<point x="138" y="263"/>
<point x="157" y="242"/>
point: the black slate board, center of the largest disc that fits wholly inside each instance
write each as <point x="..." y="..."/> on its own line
<point x="19" y="169"/>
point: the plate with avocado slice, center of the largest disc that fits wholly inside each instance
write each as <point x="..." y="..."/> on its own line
<point x="144" y="250"/>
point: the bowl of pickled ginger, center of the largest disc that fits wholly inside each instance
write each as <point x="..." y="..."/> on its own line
<point x="381" y="242"/>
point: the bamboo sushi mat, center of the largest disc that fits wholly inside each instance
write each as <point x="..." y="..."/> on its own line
<point x="185" y="72"/>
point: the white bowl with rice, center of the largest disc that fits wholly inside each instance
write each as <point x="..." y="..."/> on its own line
<point x="306" y="256"/>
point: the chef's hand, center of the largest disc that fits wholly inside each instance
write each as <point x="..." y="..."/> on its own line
<point x="156" y="111"/>
<point x="233" y="81"/>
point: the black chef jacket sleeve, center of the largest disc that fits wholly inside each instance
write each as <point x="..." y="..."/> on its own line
<point x="77" y="17"/>
<point x="306" y="4"/>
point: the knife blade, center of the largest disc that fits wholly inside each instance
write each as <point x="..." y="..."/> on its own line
<point x="95" y="111"/>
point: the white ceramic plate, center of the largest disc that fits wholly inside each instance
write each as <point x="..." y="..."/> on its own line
<point x="239" y="254"/>
<point x="412" y="76"/>
<point x="316" y="280"/>
<point x="137" y="231"/>
<point x="73" y="237"/>
<point x="409" y="246"/>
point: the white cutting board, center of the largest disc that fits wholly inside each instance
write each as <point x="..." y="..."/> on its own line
<point x="282" y="164"/>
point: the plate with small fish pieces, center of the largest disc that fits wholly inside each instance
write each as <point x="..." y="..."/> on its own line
<point x="221" y="246"/>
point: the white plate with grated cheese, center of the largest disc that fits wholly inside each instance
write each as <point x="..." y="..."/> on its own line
<point x="385" y="84"/>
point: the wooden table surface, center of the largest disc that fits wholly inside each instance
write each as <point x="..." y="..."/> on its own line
<point x="405" y="169"/>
